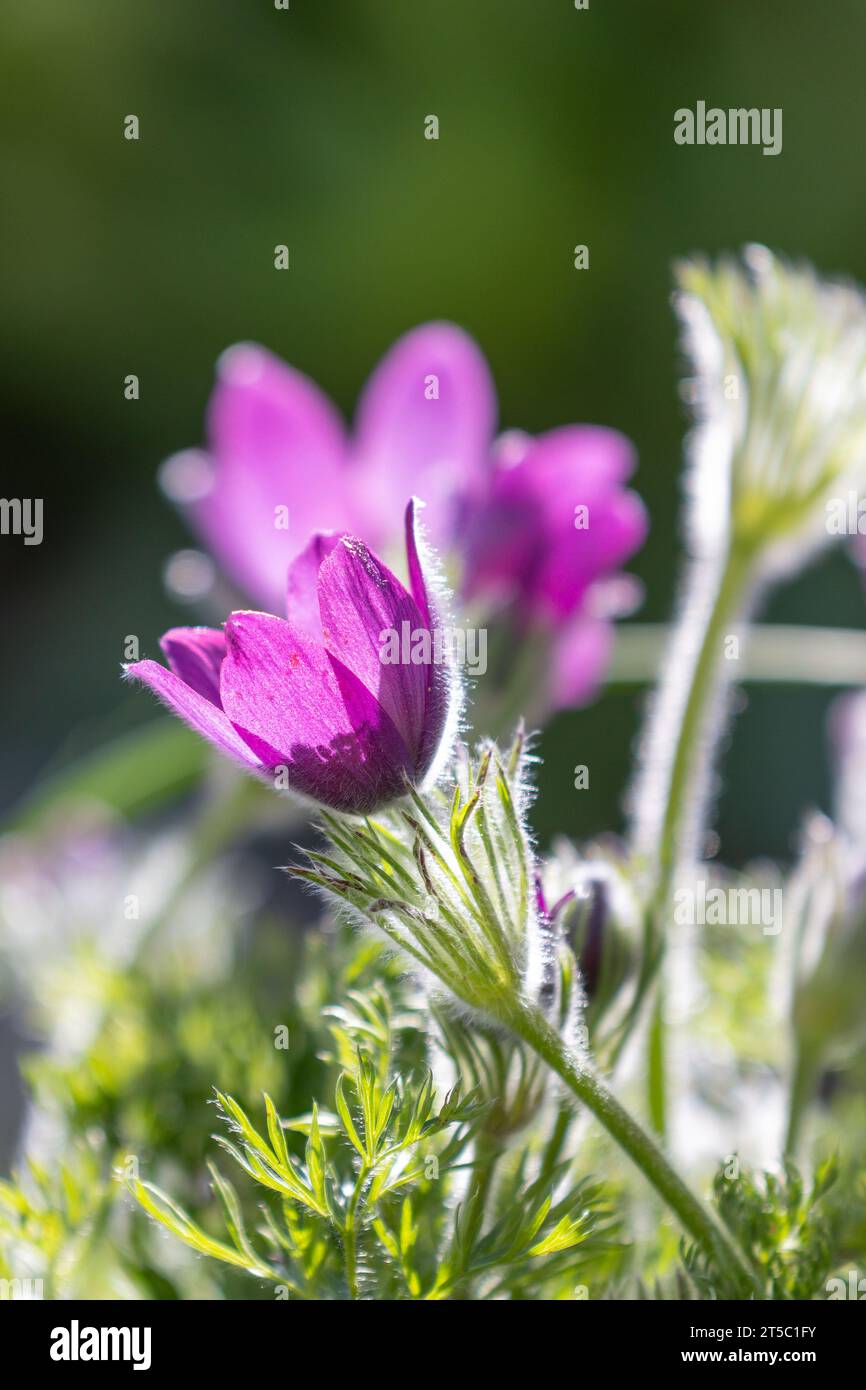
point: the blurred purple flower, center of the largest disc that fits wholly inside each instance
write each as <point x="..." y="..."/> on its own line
<point x="548" y="541"/>
<point x="281" y="467"/>
<point x="310" y="700"/>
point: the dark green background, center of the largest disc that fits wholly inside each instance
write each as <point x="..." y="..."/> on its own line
<point x="306" y="127"/>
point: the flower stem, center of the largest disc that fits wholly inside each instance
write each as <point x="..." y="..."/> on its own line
<point x="685" y="722"/>
<point x="657" y="1066"/>
<point x="350" y="1244"/>
<point x="693" y="1215"/>
<point x="689" y="745"/>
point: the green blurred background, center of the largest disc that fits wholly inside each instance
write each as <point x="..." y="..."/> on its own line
<point x="261" y="126"/>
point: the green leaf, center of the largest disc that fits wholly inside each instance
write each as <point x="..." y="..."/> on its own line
<point x="275" y="1133"/>
<point x="389" y="1241"/>
<point x="328" y="1122"/>
<point x="346" y="1115"/>
<point x="168" y="1214"/>
<point x="232" y="1210"/>
<point x="566" y="1233"/>
<point x="315" y="1155"/>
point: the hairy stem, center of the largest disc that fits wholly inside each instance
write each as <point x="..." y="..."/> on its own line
<point x="350" y="1232"/>
<point x="693" y="1215"/>
<point x="693" y="741"/>
<point x="685" y="722"/>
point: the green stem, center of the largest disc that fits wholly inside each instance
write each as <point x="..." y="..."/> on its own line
<point x="350" y="1233"/>
<point x="691" y="736"/>
<point x="693" y="1215"/>
<point x="685" y="763"/>
<point x="657" y="1067"/>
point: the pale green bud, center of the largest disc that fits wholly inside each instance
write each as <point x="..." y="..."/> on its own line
<point x="779" y="390"/>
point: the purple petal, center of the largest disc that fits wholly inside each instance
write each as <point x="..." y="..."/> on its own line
<point x="302" y="587"/>
<point x="419" y="583"/>
<point x="425" y="423"/>
<point x="276" y="443"/>
<point x="297" y="707"/>
<point x="580" y="658"/>
<point x="540" y="899"/>
<point x="361" y="602"/>
<point x="575" y="559"/>
<point x="196" y="655"/>
<point x="196" y="710"/>
<point x="505" y="536"/>
<point x="525" y="545"/>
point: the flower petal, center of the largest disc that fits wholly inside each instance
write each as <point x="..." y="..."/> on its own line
<point x="302" y="586"/>
<point x="528" y="543"/>
<point x="581" y="655"/>
<point x="196" y="655"/>
<point x="196" y="710"/>
<point x="575" y="559"/>
<point x="361" y="604"/>
<point x="298" y="707"/>
<point x="424" y="425"/>
<point x="419" y="582"/>
<point x="276" y="443"/>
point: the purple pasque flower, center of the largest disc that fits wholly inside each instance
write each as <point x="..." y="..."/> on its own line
<point x="307" y="701"/>
<point x="546" y="545"/>
<point x="280" y="465"/>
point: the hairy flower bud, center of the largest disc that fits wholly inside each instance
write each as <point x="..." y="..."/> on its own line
<point x="448" y="877"/>
<point x="595" y="917"/>
<point x="779" y="387"/>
